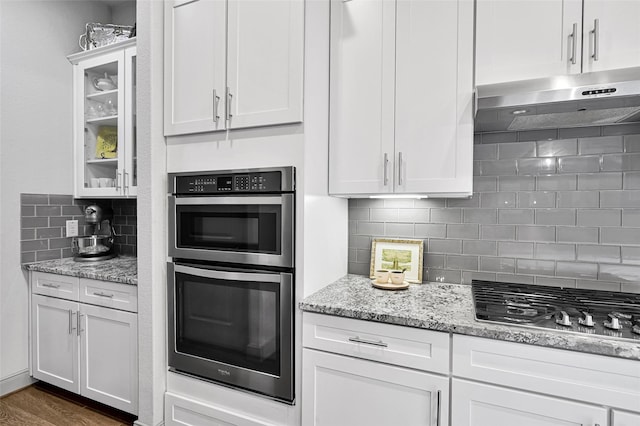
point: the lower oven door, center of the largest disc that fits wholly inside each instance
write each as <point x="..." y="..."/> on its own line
<point x="233" y="326"/>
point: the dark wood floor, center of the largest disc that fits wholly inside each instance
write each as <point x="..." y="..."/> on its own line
<point x="45" y="405"/>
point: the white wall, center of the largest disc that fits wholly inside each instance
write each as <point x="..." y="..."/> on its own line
<point x="35" y="141"/>
<point x="123" y="13"/>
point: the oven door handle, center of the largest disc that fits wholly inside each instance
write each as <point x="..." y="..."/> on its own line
<point x="224" y="275"/>
<point x="184" y="201"/>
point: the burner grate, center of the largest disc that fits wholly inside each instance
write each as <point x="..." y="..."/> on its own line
<point x="539" y="306"/>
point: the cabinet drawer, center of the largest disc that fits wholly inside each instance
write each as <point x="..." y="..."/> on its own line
<point x="585" y="377"/>
<point x="109" y="294"/>
<point x="183" y="411"/>
<point x="62" y="286"/>
<point x="404" y="346"/>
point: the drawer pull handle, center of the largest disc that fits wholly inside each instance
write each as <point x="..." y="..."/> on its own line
<point x="357" y="339"/>
<point x="101" y="294"/>
<point x="50" y="285"/>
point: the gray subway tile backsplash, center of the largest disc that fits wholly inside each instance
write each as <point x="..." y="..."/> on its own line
<point x="555" y="217"/>
<point x="557" y="148"/>
<point x="632" y="143"/>
<point x="516" y="183"/>
<point x="43" y="225"/>
<point x="580" y="164"/>
<point x="601" y="145"/>
<point x="560" y="212"/>
<point x="597" y="181"/>
<point x="515" y="150"/>
<point x="599" y="217"/>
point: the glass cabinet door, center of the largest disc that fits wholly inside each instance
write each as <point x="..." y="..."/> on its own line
<point x="130" y="172"/>
<point x="105" y="121"/>
<point x="102" y="103"/>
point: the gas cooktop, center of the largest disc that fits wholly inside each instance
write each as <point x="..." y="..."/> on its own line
<point x="595" y="312"/>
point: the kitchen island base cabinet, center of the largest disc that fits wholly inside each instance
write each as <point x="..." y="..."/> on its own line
<point x="348" y="391"/>
<point x="88" y="349"/>
<point x="478" y="404"/>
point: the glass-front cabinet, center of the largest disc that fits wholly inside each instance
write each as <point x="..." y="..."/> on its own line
<point x="105" y="121"/>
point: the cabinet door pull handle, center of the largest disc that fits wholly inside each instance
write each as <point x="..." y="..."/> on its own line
<point x="439" y="407"/>
<point x="399" y="168"/>
<point x="574" y="42"/>
<point x="118" y="181"/>
<point x="596" y="39"/>
<point x="216" y="99"/>
<point x="357" y="339"/>
<point x="70" y="321"/>
<point x="126" y="180"/>
<point x="229" y="96"/>
<point x="80" y="330"/>
<point x="101" y="294"/>
<point x="50" y="285"/>
<point x="385" y="167"/>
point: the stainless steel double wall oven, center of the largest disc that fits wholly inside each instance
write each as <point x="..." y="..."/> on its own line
<point x="231" y="279"/>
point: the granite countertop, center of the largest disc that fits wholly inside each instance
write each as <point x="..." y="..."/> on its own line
<point x="448" y="308"/>
<point x="120" y="269"/>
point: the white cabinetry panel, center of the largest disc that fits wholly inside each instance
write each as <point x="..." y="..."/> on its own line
<point x="361" y="95"/>
<point x="591" y="378"/>
<point x="54" y="341"/>
<point x="350" y="391"/>
<point x="265" y="65"/>
<point x="525" y="39"/>
<point x="401" y="97"/>
<point x="109" y="357"/>
<point x="617" y="38"/>
<point x="477" y="404"/>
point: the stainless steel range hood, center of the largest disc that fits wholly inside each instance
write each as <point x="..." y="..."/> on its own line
<point x="589" y="99"/>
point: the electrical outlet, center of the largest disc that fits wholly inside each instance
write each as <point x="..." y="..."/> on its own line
<point x="72" y="228"/>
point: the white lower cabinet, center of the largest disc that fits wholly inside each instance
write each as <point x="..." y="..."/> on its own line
<point x="348" y="391"/>
<point x="479" y="404"/>
<point x="109" y="356"/>
<point x="366" y="373"/>
<point x="184" y="411"/>
<point x="54" y="341"/>
<point x="83" y="348"/>
<point x="622" y="418"/>
<point x="502" y="383"/>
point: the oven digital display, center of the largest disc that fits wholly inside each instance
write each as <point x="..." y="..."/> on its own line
<point x="225" y="183"/>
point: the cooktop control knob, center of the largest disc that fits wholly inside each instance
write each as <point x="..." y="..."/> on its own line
<point x="562" y="318"/>
<point x="612" y="322"/>
<point x="635" y="324"/>
<point x="586" y="319"/>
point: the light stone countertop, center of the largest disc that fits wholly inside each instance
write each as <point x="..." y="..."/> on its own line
<point x="120" y="269"/>
<point x="448" y="308"/>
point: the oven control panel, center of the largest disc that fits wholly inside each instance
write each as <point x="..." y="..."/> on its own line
<point x="229" y="183"/>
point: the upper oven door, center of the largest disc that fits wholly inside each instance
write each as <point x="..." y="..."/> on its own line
<point x="249" y="230"/>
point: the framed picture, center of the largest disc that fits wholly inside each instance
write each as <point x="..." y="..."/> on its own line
<point x="393" y="254"/>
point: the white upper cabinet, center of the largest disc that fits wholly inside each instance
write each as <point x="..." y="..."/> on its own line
<point x="401" y="97"/>
<point x="362" y="77"/>
<point x="232" y="64"/>
<point x="611" y="34"/>
<point x="195" y="66"/>
<point x="104" y="82"/>
<point x="527" y="39"/>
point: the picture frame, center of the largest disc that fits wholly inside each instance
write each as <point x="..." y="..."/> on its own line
<point x="388" y="253"/>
